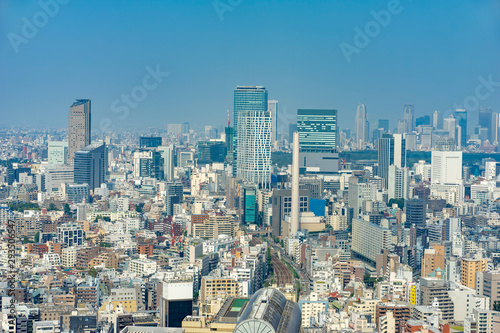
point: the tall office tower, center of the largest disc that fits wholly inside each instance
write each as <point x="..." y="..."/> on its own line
<point x="149" y="141"/>
<point x="246" y="98"/>
<point x="90" y="165"/>
<point x="449" y="125"/>
<point x="384" y="124"/>
<point x="402" y="126"/>
<point x="79" y="127"/>
<point x="461" y="117"/>
<point x="415" y="212"/>
<point x="409" y="116"/>
<point x="361" y="126"/>
<point x="317" y="130"/>
<point x="273" y="108"/>
<point x="437" y="120"/>
<point x="485" y="121"/>
<point x="185" y="128"/>
<point x="491" y="170"/>
<point x="254" y="147"/>
<point x="176" y="302"/>
<point x="391" y="151"/>
<point x="399" y="182"/>
<point x="167" y="154"/>
<point x="423" y="121"/>
<point x="58" y="153"/>
<point x="495" y="126"/>
<point x="446" y="167"/>
<point x="229" y="143"/>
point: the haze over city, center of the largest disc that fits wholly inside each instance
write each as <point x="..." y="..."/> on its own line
<point x="430" y="54"/>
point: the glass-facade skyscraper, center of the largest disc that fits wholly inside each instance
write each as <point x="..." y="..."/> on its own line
<point x="246" y="98"/>
<point x="461" y="117"/>
<point x="254" y="147"/>
<point x="317" y="130"/>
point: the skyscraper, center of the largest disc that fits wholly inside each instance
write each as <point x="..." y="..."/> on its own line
<point x="437" y="120"/>
<point x="485" y="121"/>
<point x="450" y="125"/>
<point x="361" y="126"/>
<point x="415" y="212"/>
<point x="90" y="165"/>
<point x="273" y="108"/>
<point x="317" y="130"/>
<point x="318" y="140"/>
<point x="391" y="151"/>
<point x="167" y="154"/>
<point x="254" y="147"/>
<point x="58" y="153"/>
<point x="246" y="98"/>
<point x="409" y="116"/>
<point x="461" y="117"/>
<point x="79" y="127"/>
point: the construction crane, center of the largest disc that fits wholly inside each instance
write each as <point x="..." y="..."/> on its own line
<point x="228" y="119"/>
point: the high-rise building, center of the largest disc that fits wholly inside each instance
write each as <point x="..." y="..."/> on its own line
<point x="79" y="127"/>
<point x="273" y="108"/>
<point x="90" y="165"/>
<point x="391" y="151"/>
<point x="317" y="130"/>
<point x="485" y="121"/>
<point x="398" y="183"/>
<point x="369" y="239"/>
<point x="488" y="284"/>
<point x="167" y="154"/>
<point x="461" y="117"/>
<point x="176" y="302"/>
<point x="449" y="125"/>
<point x="384" y="124"/>
<point x="446" y="167"/>
<point x="469" y="269"/>
<point x="58" y="153"/>
<point x="318" y="140"/>
<point x="437" y="120"/>
<point x="415" y="212"/>
<point x="362" y="127"/>
<point x="247" y="98"/>
<point x="409" y="117"/>
<point x="254" y="147"/>
<point x="150" y="141"/>
<point x="433" y="259"/>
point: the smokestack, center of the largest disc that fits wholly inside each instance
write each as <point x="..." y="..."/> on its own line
<point x="294" y="226"/>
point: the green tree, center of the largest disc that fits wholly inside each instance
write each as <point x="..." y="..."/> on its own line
<point x="67" y="210"/>
<point x="400" y="202"/>
<point x="52" y="206"/>
<point x="37" y="237"/>
<point x="92" y="272"/>
<point x="496" y="306"/>
<point x="25" y="240"/>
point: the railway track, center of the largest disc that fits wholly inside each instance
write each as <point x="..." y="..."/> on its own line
<point x="281" y="272"/>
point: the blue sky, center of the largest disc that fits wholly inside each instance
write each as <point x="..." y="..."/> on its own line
<point x="431" y="54"/>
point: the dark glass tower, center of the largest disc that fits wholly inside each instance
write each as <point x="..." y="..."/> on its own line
<point x="317" y="130"/>
<point x="461" y="117"/>
<point x="90" y="165"/>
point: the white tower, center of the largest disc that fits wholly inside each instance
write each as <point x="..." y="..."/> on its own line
<point x="294" y="226"/>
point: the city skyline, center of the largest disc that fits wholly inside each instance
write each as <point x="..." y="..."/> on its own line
<point x="455" y="71"/>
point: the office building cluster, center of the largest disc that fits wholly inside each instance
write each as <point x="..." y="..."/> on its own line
<point x="255" y="226"/>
